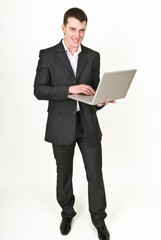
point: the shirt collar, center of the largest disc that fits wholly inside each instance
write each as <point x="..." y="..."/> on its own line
<point x="67" y="50"/>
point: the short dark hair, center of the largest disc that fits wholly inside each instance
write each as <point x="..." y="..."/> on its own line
<point x="76" y="13"/>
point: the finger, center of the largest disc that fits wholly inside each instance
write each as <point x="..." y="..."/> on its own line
<point x="100" y="104"/>
<point x="91" y="91"/>
<point x="106" y="101"/>
<point x="88" y="88"/>
<point x="86" y="92"/>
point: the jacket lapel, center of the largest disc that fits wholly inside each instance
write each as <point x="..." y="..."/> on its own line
<point x="82" y="60"/>
<point x="62" y="56"/>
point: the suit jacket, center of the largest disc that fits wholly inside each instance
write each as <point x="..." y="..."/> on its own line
<point x="54" y="75"/>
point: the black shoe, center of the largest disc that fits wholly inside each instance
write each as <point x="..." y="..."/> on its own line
<point x="65" y="225"/>
<point x="103" y="233"/>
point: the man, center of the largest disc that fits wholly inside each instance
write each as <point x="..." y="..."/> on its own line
<point x="71" y="68"/>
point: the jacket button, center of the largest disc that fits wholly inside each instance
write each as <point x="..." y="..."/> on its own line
<point x="74" y="112"/>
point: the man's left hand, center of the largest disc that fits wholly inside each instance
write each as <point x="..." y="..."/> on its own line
<point x="105" y="103"/>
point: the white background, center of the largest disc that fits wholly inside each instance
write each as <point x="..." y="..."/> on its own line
<point x="127" y="34"/>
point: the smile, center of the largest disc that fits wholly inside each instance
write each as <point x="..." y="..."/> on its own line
<point x="76" y="41"/>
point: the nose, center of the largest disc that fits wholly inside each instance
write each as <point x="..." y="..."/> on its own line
<point x="77" y="34"/>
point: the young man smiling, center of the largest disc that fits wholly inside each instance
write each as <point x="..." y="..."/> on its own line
<point x="74" y="32"/>
<point x="71" y="68"/>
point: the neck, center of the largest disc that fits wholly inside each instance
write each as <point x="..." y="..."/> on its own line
<point x="71" y="50"/>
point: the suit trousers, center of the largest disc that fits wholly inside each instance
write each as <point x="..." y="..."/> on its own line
<point x="92" y="157"/>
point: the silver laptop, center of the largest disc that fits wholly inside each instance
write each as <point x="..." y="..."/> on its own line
<point x="113" y="85"/>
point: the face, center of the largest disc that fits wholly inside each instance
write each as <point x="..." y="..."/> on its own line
<point x="74" y="32"/>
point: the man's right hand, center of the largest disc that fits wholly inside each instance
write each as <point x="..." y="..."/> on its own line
<point x="82" y="88"/>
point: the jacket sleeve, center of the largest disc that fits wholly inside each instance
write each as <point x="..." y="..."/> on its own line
<point x="42" y="85"/>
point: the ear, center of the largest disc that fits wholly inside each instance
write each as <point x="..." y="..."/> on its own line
<point x="63" y="27"/>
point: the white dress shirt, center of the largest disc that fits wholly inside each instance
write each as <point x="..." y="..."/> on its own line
<point x="73" y="61"/>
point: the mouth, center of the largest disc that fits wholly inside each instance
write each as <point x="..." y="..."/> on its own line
<point x="75" y="41"/>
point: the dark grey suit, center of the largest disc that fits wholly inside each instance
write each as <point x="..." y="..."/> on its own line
<point x="65" y="127"/>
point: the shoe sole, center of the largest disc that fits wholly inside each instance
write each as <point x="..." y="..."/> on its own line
<point x="66" y="233"/>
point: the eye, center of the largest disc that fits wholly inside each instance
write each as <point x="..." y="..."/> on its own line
<point x="82" y="30"/>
